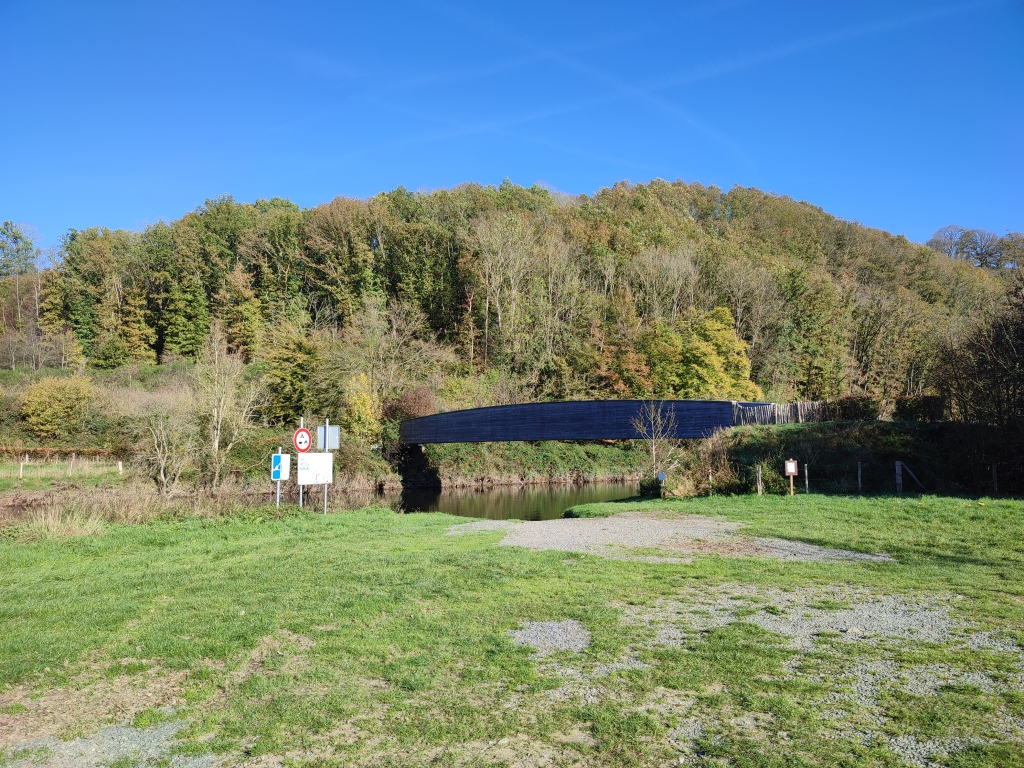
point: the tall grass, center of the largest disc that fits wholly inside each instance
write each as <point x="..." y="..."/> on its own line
<point x="86" y="512"/>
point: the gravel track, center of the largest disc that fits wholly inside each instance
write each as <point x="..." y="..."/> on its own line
<point x="686" y="535"/>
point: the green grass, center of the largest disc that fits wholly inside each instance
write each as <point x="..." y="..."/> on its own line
<point x="374" y="636"/>
<point x="44" y="476"/>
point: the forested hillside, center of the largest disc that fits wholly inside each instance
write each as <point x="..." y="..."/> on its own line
<point x="482" y="295"/>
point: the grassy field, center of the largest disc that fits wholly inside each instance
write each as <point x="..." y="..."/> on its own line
<point x="40" y="475"/>
<point x="375" y="638"/>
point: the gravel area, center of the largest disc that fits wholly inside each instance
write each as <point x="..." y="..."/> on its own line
<point x="686" y="535"/>
<point x="550" y="636"/>
<point x="110" y="745"/>
<point x="920" y="753"/>
<point x="801" y="615"/>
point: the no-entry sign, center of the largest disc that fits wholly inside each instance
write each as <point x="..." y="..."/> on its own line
<point x="303" y="440"/>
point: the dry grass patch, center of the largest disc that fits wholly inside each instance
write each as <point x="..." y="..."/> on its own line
<point x="90" y="701"/>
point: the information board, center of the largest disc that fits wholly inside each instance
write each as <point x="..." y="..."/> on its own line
<point x="315" y="468"/>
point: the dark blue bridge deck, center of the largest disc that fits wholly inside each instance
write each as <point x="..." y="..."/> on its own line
<point x="573" y="420"/>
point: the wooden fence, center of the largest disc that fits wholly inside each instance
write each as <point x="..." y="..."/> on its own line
<point x="750" y="414"/>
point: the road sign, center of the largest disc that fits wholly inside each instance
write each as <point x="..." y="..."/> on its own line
<point x="316" y="468"/>
<point x="332" y="440"/>
<point x="280" y="466"/>
<point x="303" y="440"/>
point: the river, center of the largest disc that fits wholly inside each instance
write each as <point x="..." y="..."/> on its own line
<point x="499" y="502"/>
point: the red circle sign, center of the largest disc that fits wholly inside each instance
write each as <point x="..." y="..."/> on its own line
<point x="303" y="441"/>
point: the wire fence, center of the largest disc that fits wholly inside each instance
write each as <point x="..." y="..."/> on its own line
<point x="54" y="467"/>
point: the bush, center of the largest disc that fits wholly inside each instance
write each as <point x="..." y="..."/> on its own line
<point x="55" y="407"/>
<point x="413" y="404"/>
<point x="857" y="408"/>
<point x="920" y="408"/>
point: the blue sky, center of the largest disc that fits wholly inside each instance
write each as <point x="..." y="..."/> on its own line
<point x="905" y="116"/>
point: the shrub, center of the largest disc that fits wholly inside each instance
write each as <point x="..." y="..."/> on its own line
<point x="53" y="407"/>
<point x="857" y="408"/>
<point x="413" y="404"/>
<point x="920" y="408"/>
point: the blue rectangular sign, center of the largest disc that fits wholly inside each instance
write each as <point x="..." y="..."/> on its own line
<point x="280" y="466"/>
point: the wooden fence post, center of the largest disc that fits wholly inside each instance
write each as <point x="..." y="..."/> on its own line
<point x="899" y="477"/>
<point x="760" y="486"/>
<point x="807" y="482"/>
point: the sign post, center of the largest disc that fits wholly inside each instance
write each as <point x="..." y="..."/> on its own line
<point x="328" y="439"/>
<point x="303" y="441"/>
<point x="792" y="470"/>
<point x="316" y="469"/>
<point x="280" y="469"/>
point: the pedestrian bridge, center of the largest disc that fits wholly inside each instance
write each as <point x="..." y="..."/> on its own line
<point x="584" y="420"/>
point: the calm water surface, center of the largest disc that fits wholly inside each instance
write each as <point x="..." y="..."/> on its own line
<point x="535" y="502"/>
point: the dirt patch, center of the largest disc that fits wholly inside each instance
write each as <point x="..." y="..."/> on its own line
<point x="88" y="703"/>
<point x="686" y="535"/>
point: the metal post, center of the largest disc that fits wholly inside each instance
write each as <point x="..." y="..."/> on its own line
<point x="302" y="423"/>
<point x="899" y="477"/>
<point x="760" y="486"/>
<point x="279" y="481"/>
<point x="995" y="481"/>
<point x="858" y="478"/>
<point x="807" y="483"/>
<point x="327" y="448"/>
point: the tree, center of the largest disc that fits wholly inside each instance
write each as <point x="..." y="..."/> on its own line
<point x="1012" y="249"/>
<point x="982" y="373"/>
<point x="186" y="319"/>
<point x="169" y="448"/>
<point x="656" y="424"/>
<point x="226" y="402"/>
<point x="948" y="241"/>
<point x="390" y="343"/>
<point x="361" y="413"/>
<point x="17" y="256"/>
<point x="981" y="248"/>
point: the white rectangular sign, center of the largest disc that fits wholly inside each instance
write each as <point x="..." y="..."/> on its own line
<point x="316" y="468"/>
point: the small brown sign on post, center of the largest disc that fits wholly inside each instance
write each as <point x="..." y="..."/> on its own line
<point x="792" y="470"/>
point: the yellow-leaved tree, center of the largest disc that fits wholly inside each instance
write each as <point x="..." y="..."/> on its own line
<point x="362" y="411"/>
